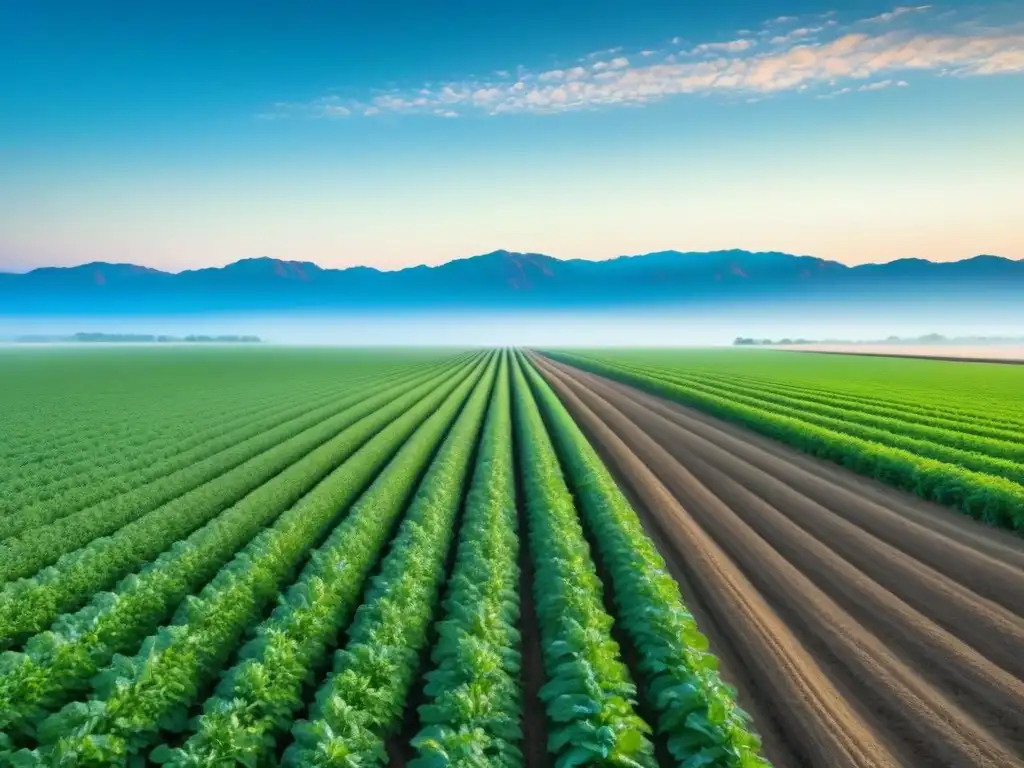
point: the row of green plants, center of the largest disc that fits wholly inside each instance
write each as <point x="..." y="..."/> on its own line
<point x="589" y="697"/>
<point x="978" y="453"/>
<point x="58" y="663"/>
<point x="79" y="479"/>
<point x="994" y="500"/>
<point x="37" y="473"/>
<point x="474" y="702"/>
<point x="970" y="433"/>
<point x="60" y="399"/>
<point x="696" y="710"/>
<point x="29" y="605"/>
<point x="129" y="491"/>
<point x="122" y="439"/>
<point x="258" y="697"/>
<point x="362" y="701"/>
<point x="137" y="700"/>
<point x="874" y="381"/>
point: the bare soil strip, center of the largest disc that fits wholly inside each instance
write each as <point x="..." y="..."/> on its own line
<point x="873" y="638"/>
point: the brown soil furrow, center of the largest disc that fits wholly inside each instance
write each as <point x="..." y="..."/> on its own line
<point x="965" y="551"/>
<point x="871" y="642"/>
<point x="724" y="478"/>
<point x="818" y="721"/>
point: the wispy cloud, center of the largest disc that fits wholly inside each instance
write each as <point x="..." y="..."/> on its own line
<point x="733" y="46"/>
<point x="878" y="85"/>
<point x="808" y="58"/>
<point x="895" y="13"/>
<point x="800" y="33"/>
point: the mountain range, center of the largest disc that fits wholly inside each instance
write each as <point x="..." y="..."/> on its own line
<point x="504" y="280"/>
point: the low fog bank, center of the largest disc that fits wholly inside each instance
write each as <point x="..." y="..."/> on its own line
<point x="680" y="327"/>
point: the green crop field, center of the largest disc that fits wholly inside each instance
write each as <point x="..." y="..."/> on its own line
<point x="256" y="557"/>
<point x="946" y="431"/>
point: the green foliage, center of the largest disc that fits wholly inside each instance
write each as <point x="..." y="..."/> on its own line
<point x="57" y="663"/>
<point x="258" y="697"/>
<point x="474" y="702"/>
<point x="80" y="478"/>
<point x="29" y="605"/>
<point x="363" y="700"/>
<point x="137" y="698"/>
<point x="696" y="709"/>
<point x="989" y="497"/>
<point x="589" y="697"/>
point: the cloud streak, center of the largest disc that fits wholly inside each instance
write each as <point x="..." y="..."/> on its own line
<point x="863" y="57"/>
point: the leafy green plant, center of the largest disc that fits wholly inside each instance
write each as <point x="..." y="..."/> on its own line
<point x="363" y="699"/>
<point x="589" y="697"/>
<point x="28" y="606"/>
<point x="991" y="498"/>
<point x="58" y="663"/>
<point x="474" y="708"/>
<point x="138" y="698"/>
<point x="696" y="709"/>
<point x="258" y="697"/>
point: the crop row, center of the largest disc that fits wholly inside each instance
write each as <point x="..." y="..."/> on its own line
<point x="58" y="663"/>
<point x="81" y="478"/>
<point x="362" y="701"/>
<point x="919" y="387"/>
<point x="242" y="723"/>
<point x="29" y="605"/>
<point x="474" y="706"/>
<point x="696" y="711"/>
<point x="137" y="699"/>
<point x="981" y="454"/>
<point x="993" y="499"/>
<point x="161" y="481"/>
<point x="589" y="697"/>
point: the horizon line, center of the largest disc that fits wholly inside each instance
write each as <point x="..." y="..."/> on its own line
<point x="497" y="251"/>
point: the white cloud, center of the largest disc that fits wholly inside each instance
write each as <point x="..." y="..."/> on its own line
<point x="797" y="34"/>
<point x="895" y="13"/>
<point x="808" y="58"/>
<point x="733" y="46"/>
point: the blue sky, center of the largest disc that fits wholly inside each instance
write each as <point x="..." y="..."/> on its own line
<point x="189" y="134"/>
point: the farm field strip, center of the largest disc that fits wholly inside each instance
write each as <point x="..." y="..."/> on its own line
<point x="1000" y="460"/>
<point x="992" y="422"/>
<point x="193" y="466"/>
<point x="243" y="720"/>
<point x="967" y="424"/>
<point x="829" y="415"/>
<point x="61" y="661"/>
<point x="992" y="495"/>
<point x="139" y="697"/>
<point x="112" y="424"/>
<point x="495" y="558"/>
<point x="589" y="696"/>
<point x="30" y="604"/>
<point x="898" y="628"/>
<point x="187" y="441"/>
<point x="695" y="709"/>
<point x="361" y="702"/>
<point x="904" y="383"/>
<point x="474" y="700"/>
<point x="45" y="541"/>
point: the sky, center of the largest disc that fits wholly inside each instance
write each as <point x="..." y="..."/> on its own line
<point x="190" y="134"/>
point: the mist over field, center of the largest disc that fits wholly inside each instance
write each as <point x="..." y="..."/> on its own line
<point x="690" y="326"/>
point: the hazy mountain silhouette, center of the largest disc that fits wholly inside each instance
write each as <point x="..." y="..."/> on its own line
<point x="502" y="280"/>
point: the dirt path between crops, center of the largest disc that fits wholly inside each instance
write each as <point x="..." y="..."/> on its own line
<point x="876" y="630"/>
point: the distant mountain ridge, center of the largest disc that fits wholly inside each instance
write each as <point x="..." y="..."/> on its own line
<point x="502" y="280"/>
